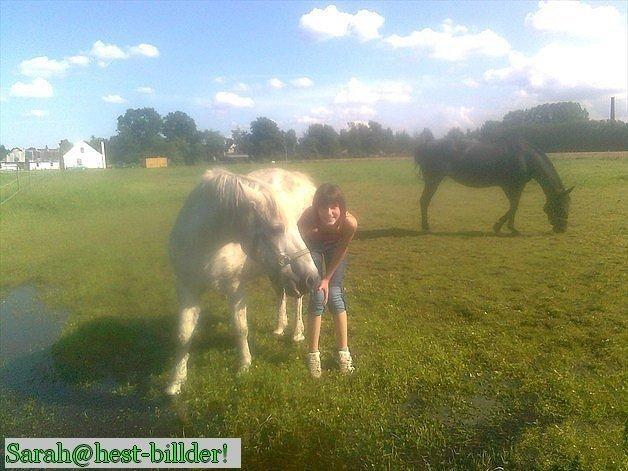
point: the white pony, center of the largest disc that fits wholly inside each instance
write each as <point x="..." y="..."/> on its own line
<point x="231" y="229"/>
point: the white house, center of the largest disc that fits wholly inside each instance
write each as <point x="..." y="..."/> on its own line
<point x="44" y="165"/>
<point x="16" y="155"/>
<point x="82" y="155"/>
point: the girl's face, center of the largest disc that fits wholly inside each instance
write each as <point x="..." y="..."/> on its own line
<point x="329" y="215"/>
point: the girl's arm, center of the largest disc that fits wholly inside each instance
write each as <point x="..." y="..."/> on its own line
<point x="306" y="224"/>
<point x="348" y="232"/>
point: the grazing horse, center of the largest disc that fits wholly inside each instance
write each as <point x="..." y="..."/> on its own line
<point x="231" y="229"/>
<point x="509" y="165"/>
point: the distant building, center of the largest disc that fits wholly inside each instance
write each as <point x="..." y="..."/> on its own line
<point x="16" y="155"/>
<point x="44" y="165"/>
<point x="82" y="155"/>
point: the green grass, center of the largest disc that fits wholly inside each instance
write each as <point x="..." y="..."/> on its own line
<point x="472" y="351"/>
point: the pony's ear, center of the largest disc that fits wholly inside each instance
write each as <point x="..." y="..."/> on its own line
<point x="567" y="191"/>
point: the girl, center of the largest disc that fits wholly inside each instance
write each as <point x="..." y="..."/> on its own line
<point x="327" y="228"/>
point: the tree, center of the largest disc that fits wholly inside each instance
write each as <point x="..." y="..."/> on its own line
<point x="290" y="142"/>
<point x="266" y="138"/>
<point x="64" y="146"/>
<point x="179" y="125"/>
<point x="3" y="152"/>
<point x="563" y="112"/>
<point x="139" y="136"/>
<point x="320" y="140"/>
<point x="425" y="136"/>
<point x="213" y="144"/>
<point x="242" y="140"/>
<point x="455" y="133"/>
<point x="141" y="124"/>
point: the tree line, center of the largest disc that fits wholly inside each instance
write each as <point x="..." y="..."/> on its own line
<point x="142" y="132"/>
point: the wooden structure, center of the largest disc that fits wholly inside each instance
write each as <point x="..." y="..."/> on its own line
<point x="156" y="162"/>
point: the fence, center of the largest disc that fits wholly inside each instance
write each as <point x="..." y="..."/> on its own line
<point x="22" y="180"/>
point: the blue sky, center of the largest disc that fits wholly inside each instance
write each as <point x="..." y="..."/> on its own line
<point x="69" y="69"/>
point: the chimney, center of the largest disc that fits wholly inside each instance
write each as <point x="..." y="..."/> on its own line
<point x="102" y="151"/>
<point x="612" y="108"/>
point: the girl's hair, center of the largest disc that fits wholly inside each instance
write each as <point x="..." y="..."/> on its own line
<point x="328" y="194"/>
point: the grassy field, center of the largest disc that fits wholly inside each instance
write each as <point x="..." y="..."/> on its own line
<point x="472" y="351"/>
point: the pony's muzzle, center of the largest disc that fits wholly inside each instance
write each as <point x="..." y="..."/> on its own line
<point x="312" y="282"/>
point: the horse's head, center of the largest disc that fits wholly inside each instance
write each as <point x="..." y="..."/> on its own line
<point x="269" y="237"/>
<point x="557" y="210"/>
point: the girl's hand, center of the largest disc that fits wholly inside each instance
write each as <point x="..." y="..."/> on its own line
<point x="324" y="287"/>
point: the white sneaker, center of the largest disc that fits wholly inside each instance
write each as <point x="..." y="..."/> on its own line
<point x="345" y="362"/>
<point x="314" y="364"/>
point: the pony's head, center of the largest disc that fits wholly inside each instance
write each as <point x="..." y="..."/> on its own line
<point x="264" y="230"/>
<point x="557" y="210"/>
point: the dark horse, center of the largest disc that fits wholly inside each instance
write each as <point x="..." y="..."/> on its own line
<point x="510" y="165"/>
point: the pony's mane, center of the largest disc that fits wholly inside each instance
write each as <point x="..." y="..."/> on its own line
<point x="228" y="192"/>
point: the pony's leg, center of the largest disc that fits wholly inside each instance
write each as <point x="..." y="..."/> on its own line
<point x="298" y="323"/>
<point x="514" y="195"/>
<point x="514" y="198"/>
<point x="282" y="317"/>
<point x="188" y="318"/>
<point x="431" y="185"/>
<point x="242" y="329"/>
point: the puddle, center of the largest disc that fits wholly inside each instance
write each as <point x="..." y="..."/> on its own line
<point x="29" y="377"/>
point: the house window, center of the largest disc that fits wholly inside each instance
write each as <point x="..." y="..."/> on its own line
<point x="82" y="150"/>
<point x="79" y="162"/>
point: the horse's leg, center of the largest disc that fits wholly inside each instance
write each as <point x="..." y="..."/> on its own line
<point x="298" y="322"/>
<point x="188" y="318"/>
<point x="282" y="317"/>
<point x="514" y="198"/>
<point x="431" y="184"/>
<point x="513" y="194"/>
<point x="238" y="305"/>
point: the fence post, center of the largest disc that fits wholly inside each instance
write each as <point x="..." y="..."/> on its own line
<point x="18" y="178"/>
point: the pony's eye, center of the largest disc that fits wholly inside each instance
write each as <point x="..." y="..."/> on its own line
<point x="277" y="229"/>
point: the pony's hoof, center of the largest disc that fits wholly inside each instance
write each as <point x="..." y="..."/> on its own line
<point x="298" y="338"/>
<point x="514" y="231"/>
<point x="244" y="369"/>
<point x="425" y="229"/>
<point x="278" y="332"/>
<point x="496" y="228"/>
<point x="173" y="390"/>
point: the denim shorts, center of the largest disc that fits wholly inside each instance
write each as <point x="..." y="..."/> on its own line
<point x="322" y="256"/>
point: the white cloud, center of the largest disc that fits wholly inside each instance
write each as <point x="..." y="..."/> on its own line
<point x="575" y="18"/>
<point x="43" y="67"/>
<point x="241" y="87"/>
<point x="452" y="43"/>
<point x="357" y="113"/>
<point x="143" y="49"/>
<point x="37" y="113"/>
<point x="276" y="83"/>
<point x="38" y="88"/>
<point x="357" y="92"/>
<point x="146" y="90"/>
<point x="232" y="100"/>
<point x="220" y="79"/>
<point x="561" y="68"/>
<point x="106" y="51"/>
<point x="321" y="111"/>
<point x="310" y="120"/>
<point x="302" y="82"/>
<point x="333" y="23"/>
<point x="113" y="99"/>
<point x="471" y="83"/>
<point x="78" y="60"/>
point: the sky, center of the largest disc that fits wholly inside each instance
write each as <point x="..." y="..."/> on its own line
<point x="69" y="69"/>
